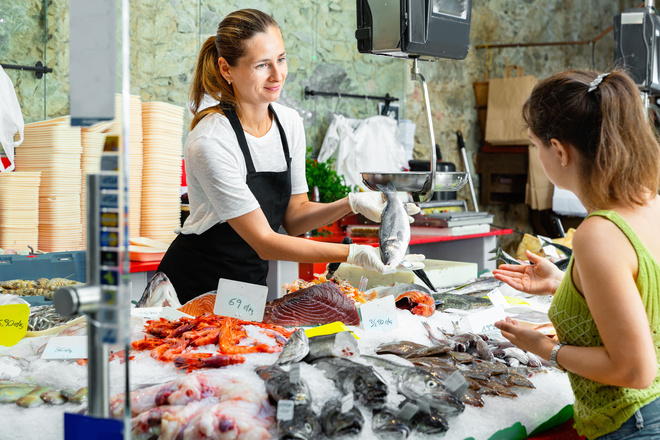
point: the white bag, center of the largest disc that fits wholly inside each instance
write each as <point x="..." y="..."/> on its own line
<point x="363" y="145"/>
<point x="11" y="120"/>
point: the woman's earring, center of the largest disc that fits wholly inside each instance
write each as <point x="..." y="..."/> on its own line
<point x="564" y="165"/>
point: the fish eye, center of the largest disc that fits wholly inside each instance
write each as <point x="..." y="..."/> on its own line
<point x="431" y="384"/>
<point x="308" y="428"/>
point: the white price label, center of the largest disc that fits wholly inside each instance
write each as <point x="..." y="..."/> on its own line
<point x="379" y="314"/>
<point x="456" y="383"/>
<point x="285" y="410"/>
<point x="240" y="300"/>
<point x="158" y="312"/>
<point x="294" y="373"/>
<point x="496" y="297"/>
<point x="347" y="403"/>
<point x="484" y="320"/>
<point x="66" y="347"/>
<point x="408" y="410"/>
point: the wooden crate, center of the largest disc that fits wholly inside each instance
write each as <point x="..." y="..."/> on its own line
<point x="503" y="177"/>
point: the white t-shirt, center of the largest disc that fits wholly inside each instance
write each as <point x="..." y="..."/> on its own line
<point x="216" y="169"/>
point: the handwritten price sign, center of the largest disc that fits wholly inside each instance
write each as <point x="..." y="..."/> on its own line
<point x="240" y="300"/>
<point x="66" y="347"/>
<point x="13" y="323"/>
<point x="379" y="314"/>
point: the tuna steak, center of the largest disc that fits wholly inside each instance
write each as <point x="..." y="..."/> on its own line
<point x="319" y="304"/>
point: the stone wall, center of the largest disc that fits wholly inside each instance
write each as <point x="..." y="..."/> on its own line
<point x="322" y="55"/>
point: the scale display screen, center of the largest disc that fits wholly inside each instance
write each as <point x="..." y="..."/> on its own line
<point x="454" y="8"/>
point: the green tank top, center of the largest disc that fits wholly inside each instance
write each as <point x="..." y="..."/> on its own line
<point x="600" y="409"/>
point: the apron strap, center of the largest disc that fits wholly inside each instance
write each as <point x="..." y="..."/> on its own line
<point x="242" y="141"/>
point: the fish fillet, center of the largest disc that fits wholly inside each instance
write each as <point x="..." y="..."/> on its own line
<point x="200" y="305"/>
<point x="319" y="304"/>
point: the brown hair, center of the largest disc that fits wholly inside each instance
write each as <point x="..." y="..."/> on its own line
<point x="608" y="126"/>
<point x="229" y="42"/>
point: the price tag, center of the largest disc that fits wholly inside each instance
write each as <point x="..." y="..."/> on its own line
<point x="13" y="323"/>
<point x="173" y="314"/>
<point x="456" y="383"/>
<point x="408" y="410"/>
<point x="496" y="297"/>
<point x="240" y="300"/>
<point x="158" y="312"/>
<point x="66" y="347"/>
<point x="484" y="320"/>
<point x="146" y="312"/>
<point x="379" y="314"/>
<point x="285" y="410"/>
<point x="347" y="403"/>
<point x="294" y="373"/>
<point x="549" y="249"/>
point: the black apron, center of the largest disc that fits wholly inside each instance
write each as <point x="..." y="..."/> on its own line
<point x="194" y="263"/>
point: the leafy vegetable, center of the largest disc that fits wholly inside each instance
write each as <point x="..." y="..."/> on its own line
<point x="331" y="185"/>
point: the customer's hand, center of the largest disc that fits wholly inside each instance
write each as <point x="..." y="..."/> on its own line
<point x="540" y="278"/>
<point x="371" y="204"/>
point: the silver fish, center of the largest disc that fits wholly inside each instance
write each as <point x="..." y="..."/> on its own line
<point x="304" y="425"/>
<point x="366" y="385"/>
<point x="337" y="423"/>
<point x="295" y="349"/>
<point x="387" y="425"/>
<point x="420" y="386"/>
<point x="11" y="394"/>
<point x="394" y="231"/>
<point x="159" y="293"/>
<point x="279" y="386"/>
<point x="479" y="285"/>
<point x="54" y="397"/>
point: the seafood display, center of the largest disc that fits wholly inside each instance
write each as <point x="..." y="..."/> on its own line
<point x="31" y="395"/>
<point x="45" y="317"/>
<point x="42" y="287"/>
<point x="176" y="341"/>
<point x="394" y="231"/>
<point x="301" y="348"/>
<point x="347" y="288"/>
<point x="281" y="386"/>
<point x="200" y="305"/>
<point x="211" y="405"/>
<point x="418" y="302"/>
<point x="318" y="304"/>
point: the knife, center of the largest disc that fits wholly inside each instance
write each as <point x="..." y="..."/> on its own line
<point x="332" y="267"/>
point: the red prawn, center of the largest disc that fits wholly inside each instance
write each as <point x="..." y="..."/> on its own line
<point x="196" y="361"/>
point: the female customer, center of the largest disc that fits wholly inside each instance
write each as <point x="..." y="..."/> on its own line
<point x="594" y="139"/>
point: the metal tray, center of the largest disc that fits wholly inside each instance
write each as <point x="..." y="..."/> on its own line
<point x="417" y="182"/>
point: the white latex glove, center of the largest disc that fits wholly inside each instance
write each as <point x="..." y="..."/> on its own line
<point x="371" y="204"/>
<point x="368" y="257"/>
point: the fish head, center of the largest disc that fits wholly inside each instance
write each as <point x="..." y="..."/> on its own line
<point x="159" y="293"/>
<point x="368" y="387"/>
<point x="419" y="385"/>
<point x="295" y="348"/>
<point x="386" y="425"/>
<point x="392" y="252"/>
<point x="303" y="426"/>
<point x="337" y="423"/>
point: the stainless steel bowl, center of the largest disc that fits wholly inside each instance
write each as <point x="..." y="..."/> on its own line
<point x="417" y="182"/>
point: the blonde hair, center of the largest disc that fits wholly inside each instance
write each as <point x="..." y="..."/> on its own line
<point x="229" y="43"/>
<point x="607" y="126"/>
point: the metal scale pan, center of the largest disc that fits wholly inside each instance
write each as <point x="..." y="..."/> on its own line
<point x="420" y="185"/>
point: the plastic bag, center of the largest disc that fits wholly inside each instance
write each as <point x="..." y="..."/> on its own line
<point x="363" y="145"/>
<point x="11" y="120"/>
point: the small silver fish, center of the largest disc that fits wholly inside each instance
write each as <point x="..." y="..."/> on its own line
<point x="394" y="231"/>
<point x="54" y="397"/>
<point x="79" y="397"/>
<point x="295" y="349"/>
<point x="12" y="394"/>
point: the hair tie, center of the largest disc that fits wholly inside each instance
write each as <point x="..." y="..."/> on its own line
<point x="594" y="84"/>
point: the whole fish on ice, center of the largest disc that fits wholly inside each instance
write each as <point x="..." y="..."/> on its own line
<point x="159" y="293"/>
<point x="394" y="231"/>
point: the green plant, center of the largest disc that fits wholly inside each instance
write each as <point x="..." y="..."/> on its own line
<point x="331" y="185"/>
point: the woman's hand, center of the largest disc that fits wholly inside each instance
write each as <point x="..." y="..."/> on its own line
<point x="539" y="278"/>
<point x="525" y="338"/>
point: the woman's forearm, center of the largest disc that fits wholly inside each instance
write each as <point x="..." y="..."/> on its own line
<point x="302" y="215"/>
